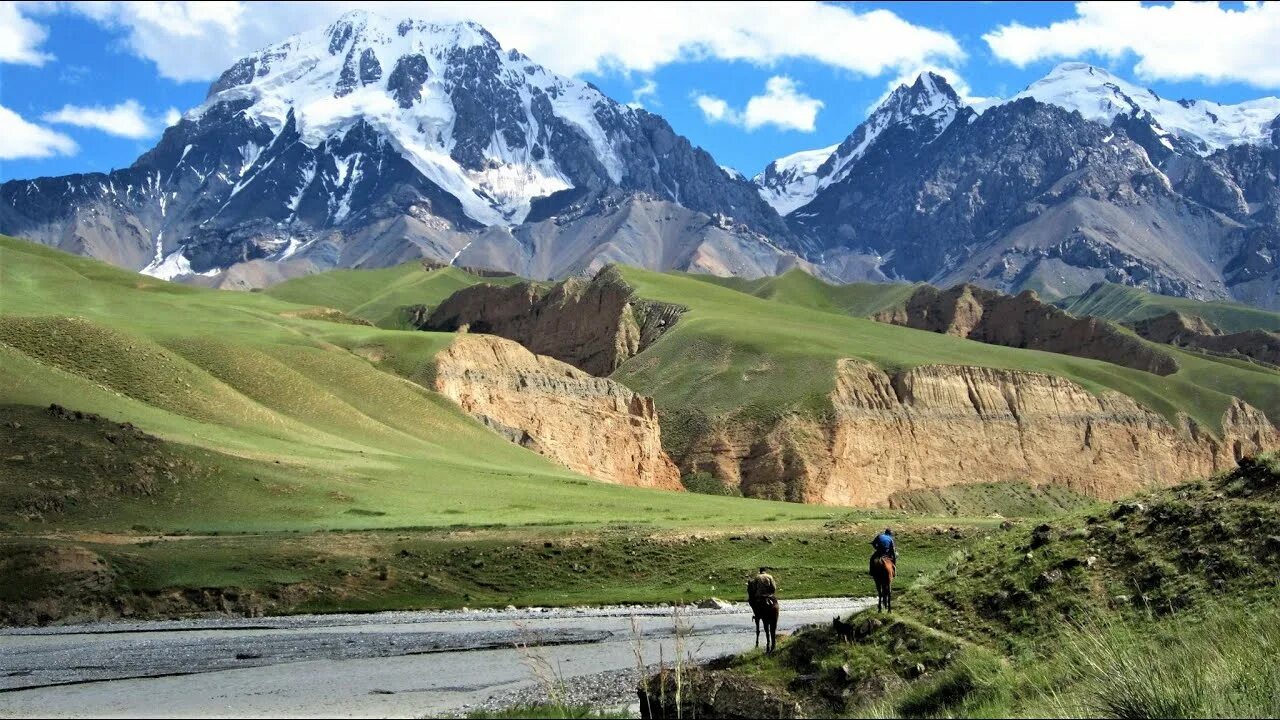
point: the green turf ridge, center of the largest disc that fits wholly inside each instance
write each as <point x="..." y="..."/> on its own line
<point x="379" y="295"/>
<point x="799" y="288"/>
<point x="737" y="356"/>
<point x="1129" y="305"/>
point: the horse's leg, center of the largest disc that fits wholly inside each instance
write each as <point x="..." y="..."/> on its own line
<point x="757" y="619"/>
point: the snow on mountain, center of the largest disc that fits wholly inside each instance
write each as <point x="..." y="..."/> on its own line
<point x="791" y="182"/>
<point x="400" y="79"/>
<point x="1205" y="125"/>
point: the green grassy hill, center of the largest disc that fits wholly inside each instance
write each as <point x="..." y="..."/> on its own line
<point x="378" y="295"/>
<point x="224" y="451"/>
<point x="1164" y="605"/>
<point x="797" y="287"/>
<point x="745" y="358"/>
<point x="1127" y="305"/>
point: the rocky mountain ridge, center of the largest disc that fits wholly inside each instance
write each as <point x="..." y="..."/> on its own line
<point x="1081" y="178"/>
<point x="371" y="142"/>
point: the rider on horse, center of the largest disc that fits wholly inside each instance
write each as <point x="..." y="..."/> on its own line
<point x="761" y="586"/>
<point x="884" y="545"/>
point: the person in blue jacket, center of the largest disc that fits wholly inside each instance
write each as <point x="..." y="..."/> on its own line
<point x="883" y="545"/>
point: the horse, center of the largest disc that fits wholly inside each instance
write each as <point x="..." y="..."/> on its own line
<point x="766" y="610"/>
<point x="882" y="571"/>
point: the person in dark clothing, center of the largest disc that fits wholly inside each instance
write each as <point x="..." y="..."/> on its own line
<point x="883" y="544"/>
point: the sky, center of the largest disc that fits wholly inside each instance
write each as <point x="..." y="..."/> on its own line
<point x="89" y="86"/>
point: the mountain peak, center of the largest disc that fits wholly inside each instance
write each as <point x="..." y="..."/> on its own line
<point x="1101" y="96"/>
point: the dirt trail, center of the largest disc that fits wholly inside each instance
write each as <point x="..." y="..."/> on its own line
<point x="398" y="664"/>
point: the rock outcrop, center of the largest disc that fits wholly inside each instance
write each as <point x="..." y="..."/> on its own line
<point x="594" y="326"/>
<point x="1023" y="321"/>
<point x="935" y="426"/>
<point x="591" y="425"/>
<point x="1194" y="332"/>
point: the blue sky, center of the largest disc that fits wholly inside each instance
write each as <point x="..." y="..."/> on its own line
<point x="91" y="87"/>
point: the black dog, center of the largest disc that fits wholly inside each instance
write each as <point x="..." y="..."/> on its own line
<point x="843" y="629"/>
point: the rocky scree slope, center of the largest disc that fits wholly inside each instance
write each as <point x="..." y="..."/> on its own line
<point x="1081" y="178"/>
<point x="1023" y="321"/>
<point x="371" y="142"/>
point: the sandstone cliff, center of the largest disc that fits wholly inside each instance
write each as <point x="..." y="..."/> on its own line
<point x="1190" y="331"/>
<point x="595" y="326"/>
<point x="936" y="426"/>
<point x="1023" y="321"/>
<point x="591" y="425"/>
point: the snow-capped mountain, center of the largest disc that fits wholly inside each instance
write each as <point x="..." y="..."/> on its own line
<point x="373" y="141"/>
<point x="1080" y="178"/>
<point x="1202" y="126"/>
<point x="929" y="105"/>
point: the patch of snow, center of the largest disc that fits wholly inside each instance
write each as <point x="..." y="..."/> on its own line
<point x="174" y="265"/>
<point x="1100" y="96"/>
<point x="458" y="254"/>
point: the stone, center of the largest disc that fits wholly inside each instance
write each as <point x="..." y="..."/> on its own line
<point x="714" y="603"/>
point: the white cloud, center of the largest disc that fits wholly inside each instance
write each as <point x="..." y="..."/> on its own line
<point x="22" y="139"/>
<point x="128" y="119"/>
<point x="197" y="41"/>
<point x="716" y="110"/>
<point x="646" y="90"/>
<point x="782" y="105"/>
<point x="172" y="116"/>
<point x="20" y="38"/>
<point x="1179" y="42"/>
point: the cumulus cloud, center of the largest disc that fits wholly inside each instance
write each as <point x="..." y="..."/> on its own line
<point x="22" y="139"/>
<point x="782" y="105"/>
<point x="197" y="41"/>
<point x="127" y="119"/>
<point x="172" y="116"/>
<point x="1178" y="42"/>
<point x="20" y="37"/>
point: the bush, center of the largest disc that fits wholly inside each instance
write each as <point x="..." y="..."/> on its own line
<point x="706" y="484"/>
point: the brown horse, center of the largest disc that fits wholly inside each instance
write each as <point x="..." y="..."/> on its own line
<point x="765" y="610"/>
<point x="882" y="572"/>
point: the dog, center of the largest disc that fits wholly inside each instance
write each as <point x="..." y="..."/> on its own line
<point x="843" y="629"/>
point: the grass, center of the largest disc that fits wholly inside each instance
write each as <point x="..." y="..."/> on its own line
<point x="378" y="296"/>
<point x="799" y="288"/>
<point x="278" y="448"/>
<point x="1161" y="606"/>
<point x="1128" y="305"/>
<point x="738" y="358"/>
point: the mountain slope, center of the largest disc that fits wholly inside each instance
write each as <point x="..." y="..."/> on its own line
<point x="926" y="107"/>
<point x="371" y="142"/>
<point x="1081" y="178"/>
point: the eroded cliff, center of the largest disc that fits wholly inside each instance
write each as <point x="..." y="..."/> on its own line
<point x="936" y="426"/>
<point x="1023" y="321"/>
<point x="1194" y="332"/>
<point x="591" y="425"/>
<point x="593" y="325"/>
